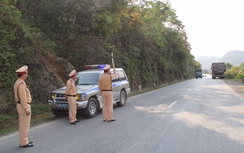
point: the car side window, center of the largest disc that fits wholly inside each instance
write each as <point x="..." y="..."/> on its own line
<point x="115" y="78"/>
<point x="121" y="75"/>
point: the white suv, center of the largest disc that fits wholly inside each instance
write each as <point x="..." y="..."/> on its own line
<point x="89" y="99"/>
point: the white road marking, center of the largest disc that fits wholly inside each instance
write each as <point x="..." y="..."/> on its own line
<point x="171" y="105"/>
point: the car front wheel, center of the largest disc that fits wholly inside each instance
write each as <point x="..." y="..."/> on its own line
<point x="123" y="98"/>
<point x="91" y="108"/>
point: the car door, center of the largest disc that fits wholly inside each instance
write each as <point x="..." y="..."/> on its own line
<point x="116" y="87"/>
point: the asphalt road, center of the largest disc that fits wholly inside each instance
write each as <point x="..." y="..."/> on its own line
<point x="194" y="116"/>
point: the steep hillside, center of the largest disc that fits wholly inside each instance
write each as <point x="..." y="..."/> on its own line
<point x="86" y="32"/>
<point x="55" y="72"/>
<point x="46" y="73"/>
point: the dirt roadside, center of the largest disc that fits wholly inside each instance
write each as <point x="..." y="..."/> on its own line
<point x="236" y="85"/>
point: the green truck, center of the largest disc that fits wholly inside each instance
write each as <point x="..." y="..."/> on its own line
<point x="218" y="70"/>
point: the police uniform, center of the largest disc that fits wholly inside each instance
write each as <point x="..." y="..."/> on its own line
<point x="105" y="87"/>
<point x="23" y="99"/>
<point x="71" y="97"/>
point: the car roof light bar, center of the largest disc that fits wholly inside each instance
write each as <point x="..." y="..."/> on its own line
<point x="96" y="66"/>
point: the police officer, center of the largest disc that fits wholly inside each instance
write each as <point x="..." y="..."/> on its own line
<point x="23" y="99"/>
<point x="105" y="87"/>
<point x="71" y="97"/>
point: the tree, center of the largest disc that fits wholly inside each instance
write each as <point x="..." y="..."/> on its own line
<point x="228" y="66"/>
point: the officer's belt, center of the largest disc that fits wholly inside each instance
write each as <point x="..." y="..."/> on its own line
<point x="20" y="103"/>
<point x="71" y="95"/>
<point x="106" y="90"/>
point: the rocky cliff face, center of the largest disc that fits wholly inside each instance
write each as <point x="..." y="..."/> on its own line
<point x="53" y="74"/>
<point x="46" y="72"/>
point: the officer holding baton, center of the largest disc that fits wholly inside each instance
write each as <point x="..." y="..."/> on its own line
<point x="105" y="88"/>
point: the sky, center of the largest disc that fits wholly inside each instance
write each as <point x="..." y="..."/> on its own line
<point x="213" y="27"/>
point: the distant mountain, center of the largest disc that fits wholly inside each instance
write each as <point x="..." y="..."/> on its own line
<point x="235" y="58"/>
<point x="207" y="61"/>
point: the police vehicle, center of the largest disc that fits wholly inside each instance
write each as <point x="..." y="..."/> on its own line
<point x="89" y="99"/>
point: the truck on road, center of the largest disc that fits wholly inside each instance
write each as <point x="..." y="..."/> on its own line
<point x="218" y="70"/>
<point x="198" y="73"/>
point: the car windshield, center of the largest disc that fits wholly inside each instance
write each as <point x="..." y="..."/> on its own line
<point x="87" y="78"/>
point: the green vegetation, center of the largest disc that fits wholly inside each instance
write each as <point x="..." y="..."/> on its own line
<point x="147" y="40"/>
<point x="234" y="72"/>
<point x="144" y="38"/>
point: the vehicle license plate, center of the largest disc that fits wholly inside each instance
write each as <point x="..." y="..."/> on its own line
<point x="62" y="105"/>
